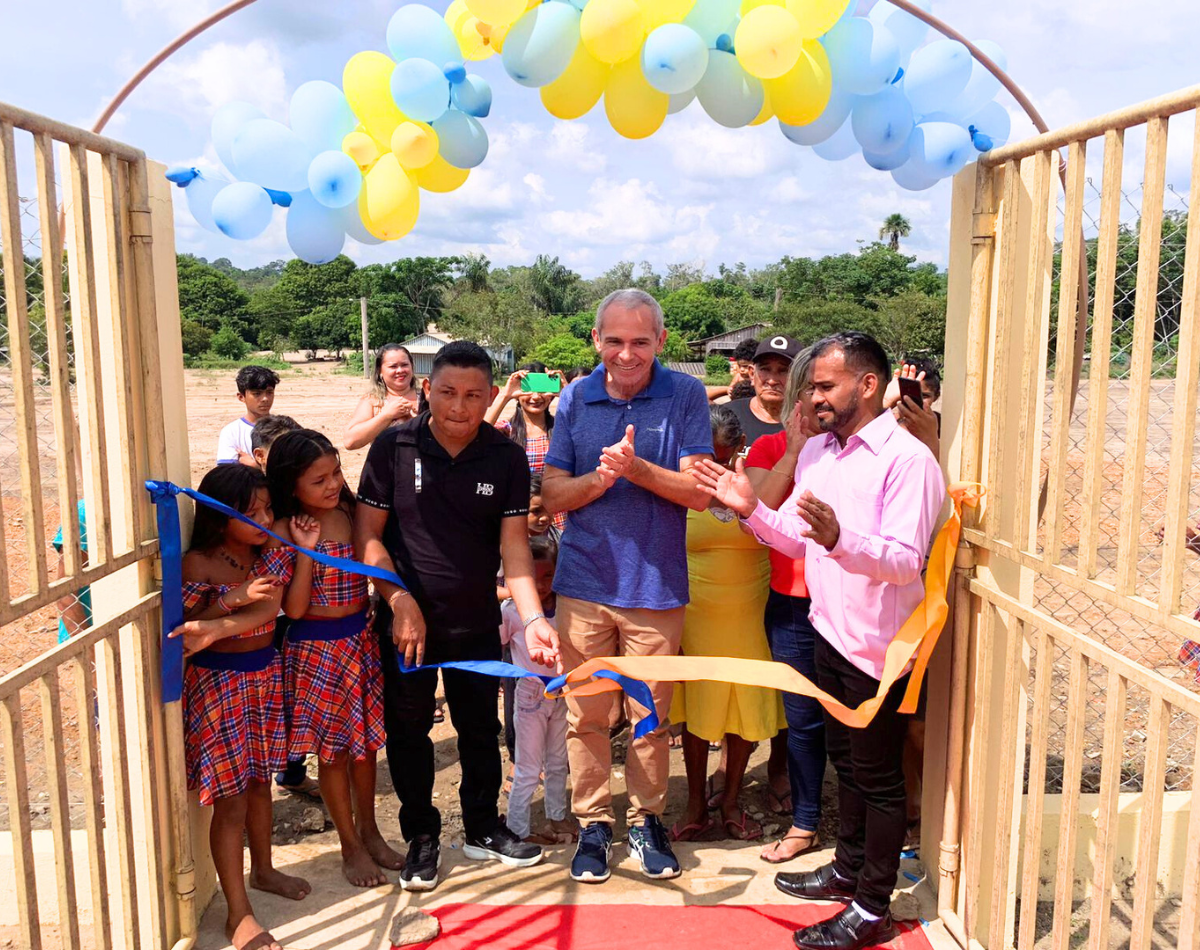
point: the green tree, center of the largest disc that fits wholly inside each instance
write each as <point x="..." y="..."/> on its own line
<point x="912" y="324"/>
<point x="895" y="227"/>
<point x="554" y="287"/>
<point x="228" y="344"/>
<point x="196" y="339"/>
<point x="473" y="272"/>
<point x="301" y="289"/>
<point x="564" y="351"/>
<point x="809" y="322"/>
<point x="210" y="298"/>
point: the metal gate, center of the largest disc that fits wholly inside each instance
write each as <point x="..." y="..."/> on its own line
<point x="1071" y="716"/>
<point x="94" y="815"/>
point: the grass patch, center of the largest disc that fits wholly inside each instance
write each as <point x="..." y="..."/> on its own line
<point x="208" y="361"/>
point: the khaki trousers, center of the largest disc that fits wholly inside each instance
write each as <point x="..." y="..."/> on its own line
<point x="587" y="630"/>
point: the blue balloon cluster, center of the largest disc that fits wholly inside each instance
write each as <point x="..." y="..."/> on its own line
<point x="919" y="112"/>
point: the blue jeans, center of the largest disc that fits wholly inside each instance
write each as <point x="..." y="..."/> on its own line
<point x="793" y="639"/>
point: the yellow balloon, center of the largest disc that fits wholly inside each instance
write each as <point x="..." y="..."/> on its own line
<point x="367" y="82"/>
<point x="765" y="113"/>
<point x="498" y="35"/>
<point x="390" y="201"/>
<point x="612" y="30"/>
<point x="801" y="95"/>
<point x="634" y="107"/>
<point x="361" y="147"/>
<point x="415" y="144"/>
<point x="768" y="42"/>
<point x="440" y="176"/>
<point x="455" y="13"/>
<point x="657" y="12"/>
<point x="748" y="5"/>
<point x="579" y="88"/>
<point x="817" y="17"/>
<point x="496" y="11"/>
<point x="473" y="38"/>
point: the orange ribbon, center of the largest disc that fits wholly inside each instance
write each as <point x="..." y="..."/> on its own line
<point x="914" y="643"/>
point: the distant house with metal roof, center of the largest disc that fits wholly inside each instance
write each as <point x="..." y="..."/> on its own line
<point x="725" y="343"/>
<point x="425" y="347"/>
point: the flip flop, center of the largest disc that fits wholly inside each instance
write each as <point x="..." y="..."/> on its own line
<point x="691" y="832"/>
<point x="813" y="842"/>
<point x="309" y="789"/>
<point x="745" y="830"/>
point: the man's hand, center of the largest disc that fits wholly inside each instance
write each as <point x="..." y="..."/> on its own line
<point x="197" y="635"/>
<point x="408" y="629"/>
<point x="731" y="489"/>
<point x="615" y="460"/>
<point x="247" y="459"/>
<point x="823" y="523"/>
<point x="542" y="640"/>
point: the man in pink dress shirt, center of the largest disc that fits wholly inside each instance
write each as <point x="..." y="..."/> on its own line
<point x="866" y="499"/>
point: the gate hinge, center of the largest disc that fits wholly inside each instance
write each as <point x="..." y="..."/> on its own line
<point x="140" y="224"/>
<point x="984" y="226"/>
<point x="964" y="557"/>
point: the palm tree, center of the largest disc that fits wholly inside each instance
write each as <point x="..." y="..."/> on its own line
<point x="473" y="269"/>
<point x="894" y="228"/>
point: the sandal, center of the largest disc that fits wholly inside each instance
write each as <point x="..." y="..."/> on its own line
<point x="779" y="804"/>
<point x="691" y="832"/>
<point x="309" y="789"/>
<point x="810" y="836"/>
<point x="745" y="830"/>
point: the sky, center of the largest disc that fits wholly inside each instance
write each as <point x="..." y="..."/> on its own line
<point x="693" y="193"/>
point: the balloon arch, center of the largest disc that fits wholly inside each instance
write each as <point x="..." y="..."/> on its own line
<point x="354" y="160"/>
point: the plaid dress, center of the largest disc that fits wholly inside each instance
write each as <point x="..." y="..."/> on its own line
<point x="333" y="688"/>
<point x="536" y="449"/>
<point x="234" y="730"/>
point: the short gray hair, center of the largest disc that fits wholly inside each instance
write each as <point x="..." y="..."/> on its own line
<point x="631" y="299"/>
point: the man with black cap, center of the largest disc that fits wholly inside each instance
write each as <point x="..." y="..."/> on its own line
<point x="761" y="415"/>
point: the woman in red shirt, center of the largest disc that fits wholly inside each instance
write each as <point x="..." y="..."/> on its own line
<point x="770" y="466"/>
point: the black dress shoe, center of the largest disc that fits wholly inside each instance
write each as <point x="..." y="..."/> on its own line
<point x="823" y="884"/>
<point x="847" y="931"/>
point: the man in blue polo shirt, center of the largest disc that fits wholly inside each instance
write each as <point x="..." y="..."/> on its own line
<point x="624" y="440"/>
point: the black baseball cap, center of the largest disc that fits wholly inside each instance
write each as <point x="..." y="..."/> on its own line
<point x="783" y="346"/>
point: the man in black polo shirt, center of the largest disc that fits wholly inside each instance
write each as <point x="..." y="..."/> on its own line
<point x="443" y="497"/>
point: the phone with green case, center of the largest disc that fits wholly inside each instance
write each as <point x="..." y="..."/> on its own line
<point x="540" y="383"/>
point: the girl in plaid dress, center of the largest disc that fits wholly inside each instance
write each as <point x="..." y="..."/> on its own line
<point x="333" y="682"/>
<point x="234" y="735"/>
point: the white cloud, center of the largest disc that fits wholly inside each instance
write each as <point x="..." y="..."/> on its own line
<point x="701" y="149"/>
<point x="537" y="186"/>
<point x="571" y="146"/>
<point x="221" y="73"/>
<point x="788" y="190"/>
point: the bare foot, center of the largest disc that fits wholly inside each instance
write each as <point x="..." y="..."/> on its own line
<point x="276" y="882"/>
<point x="566" y="829"/>
<point x="249" y="934"/>
<point x="381" y="852"/>
<point x="361" y="871"/>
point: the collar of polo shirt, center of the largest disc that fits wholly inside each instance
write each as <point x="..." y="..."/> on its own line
<point x="660" y="386"/>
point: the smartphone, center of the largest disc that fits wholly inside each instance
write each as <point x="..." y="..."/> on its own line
<point x="910" y="388"/>
<point x="540" y="383"/>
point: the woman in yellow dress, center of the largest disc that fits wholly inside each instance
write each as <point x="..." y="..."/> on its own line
<point x="728" y="575"/>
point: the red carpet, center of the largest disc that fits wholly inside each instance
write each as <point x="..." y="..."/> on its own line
<point x="635" y="927"/>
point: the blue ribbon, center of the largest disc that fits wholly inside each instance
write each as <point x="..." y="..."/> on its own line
<point x="164" y="495"/>
<point x="636" y="690"/>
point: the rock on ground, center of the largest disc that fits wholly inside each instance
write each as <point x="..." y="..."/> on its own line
<point x="414" y="926"/>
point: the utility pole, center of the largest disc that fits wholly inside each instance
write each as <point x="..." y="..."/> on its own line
<point x="362" y="302"/>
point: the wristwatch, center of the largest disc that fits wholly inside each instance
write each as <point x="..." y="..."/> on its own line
<point x="537" y="616"/>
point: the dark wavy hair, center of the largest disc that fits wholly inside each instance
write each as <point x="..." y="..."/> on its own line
<point x="517" y="431"/>
<point x="291" y="455"/>
<point x="231" y="484"/>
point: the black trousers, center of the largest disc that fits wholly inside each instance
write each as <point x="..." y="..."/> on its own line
<point x="869" y="765"/>
<point x="408" y="717"/>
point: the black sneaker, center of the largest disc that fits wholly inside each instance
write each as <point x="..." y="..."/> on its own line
<point x="420" y="872"/>
<point x="650" y="845"/>
<point x="503" y="846"/>
<point x="590" y="864"/>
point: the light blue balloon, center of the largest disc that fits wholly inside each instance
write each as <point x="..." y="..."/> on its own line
<point x="937" y="75"/>
<point x="417" y="31"/>
<point x="883" y="122"/>
<point x="314" y="233"/>
<point x="226" y="123"/>
<point x="826" y="124"/>
<point x="711" y="18"/>
<point x="420" y="89"/>
<point x="321" y="116"/>
<point x="473" y="96"/>
<point x="462" y="140"/>
<point x="270" y="154"/>
<point x="539" y="46"/>
<point x="911" y="178"/>
<point x="201" y="191"/>
<point x="839" y="146"/>
<point x="334" y="179"/>
<point x="906" y="28"/>
<point x="242" y="210"/>
<point x="674" y="58"/>
<point x="578" y="4"/>
<point x="352" y="224"/>
<point x="992" y="120"/>
<point x="982" y="87"/>
<point x="681" y="101"/>
<point x="889" y="161"/>
<point x="940" y="149"/>
<point x="863" y="56"/>
<point x="730" y="95"/>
